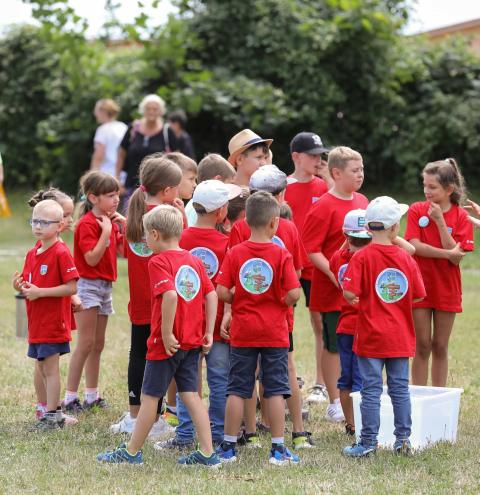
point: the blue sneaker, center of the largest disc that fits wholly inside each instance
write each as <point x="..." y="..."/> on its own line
<point x="196" y="458"/>
<point x="120" y="455"/>
<point x="403" y="447"/>
<point x="281" y="456"/>
<point x="226" y="455"/>
<point x="359" y="450"/>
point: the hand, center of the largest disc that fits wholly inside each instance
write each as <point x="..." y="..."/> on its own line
<point x="178" y="204"/>
<point x="105" y="224"/>
<point x="76" y="303"/>
<point x="435" y="212"/>
<point x="207" y="343"/>
<point x="354" y="301"/>
<point x="31" y="291"/>
<point x="334" y="281"/>
<point x="225" y="326"/>
<point x="456" y="254"/>
<point x="17" y="281"/>
<point x="171" y="344"/>
<point x="473" y="208"/>
<point x="118" y="219"/>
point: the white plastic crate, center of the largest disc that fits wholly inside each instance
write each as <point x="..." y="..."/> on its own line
<point x="434" y="416"/>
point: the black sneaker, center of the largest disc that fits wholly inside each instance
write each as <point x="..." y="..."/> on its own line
<point x="96" y="404"/>
<point x="74" y="407"/>
<point x="250" y="440"/>
<point x="302" y="440"/>
<point x="48" y="423"/>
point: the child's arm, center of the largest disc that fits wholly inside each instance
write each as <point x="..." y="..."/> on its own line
<point x="211" y="302"/>
<point x="224" y="294"/>
<point x="17" y="281"/>
<point x="169" y="308"/>
<point x="475" y="221"/>
<point x="94" y="256"/>
<point x="435" y="213"/>
<point x="320" y="261"/>
<point x="292" y="296"/>
<point x="473" y="207"/>
<point x="453" y="255"/>
<point x="226" y="320"/>
<point x="405" y="245"/>
<point x="32" y="292"/>
<point x="350" y="297"/>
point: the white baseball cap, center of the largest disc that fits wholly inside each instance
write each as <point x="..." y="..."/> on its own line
<point x="354" y="224"/>
<point x="270" y="178"/>
<point x="384" y="210"/>
<point x="213" y="194"/>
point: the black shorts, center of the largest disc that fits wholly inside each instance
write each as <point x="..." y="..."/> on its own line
<point x="183" y="366"/>
<point x="306" y="286"/>
<point x="330" y="321"/>
<point x="274" y="365"/>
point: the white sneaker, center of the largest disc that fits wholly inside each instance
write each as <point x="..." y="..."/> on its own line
<point x="126" y="424"/>
<point x="160" y="428"/>
<point x="334" y="413"/>
<point x="318" y="393"/>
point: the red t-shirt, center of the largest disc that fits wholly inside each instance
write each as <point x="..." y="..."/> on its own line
<point x="138" y="255"/>
<point x="49" y="318"/>
<point x="347" y="321"/>
<point x="262" y="274"/>
<point x="387" y="280"/>
<point x="85" y="239"/>
<point x="286" y="237"/>
<point x="323" y="233"/>
<point x="209" y="246"/>
<point x="182" y="272"/>
<point x="442" y="279"/>
<point x="300" y="196"/>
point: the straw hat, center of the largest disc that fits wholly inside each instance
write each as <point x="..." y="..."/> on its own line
<point x="243" y="140"/>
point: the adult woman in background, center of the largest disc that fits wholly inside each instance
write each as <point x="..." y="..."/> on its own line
<point x="108" y="136"/>
<point x="144" y="137"/>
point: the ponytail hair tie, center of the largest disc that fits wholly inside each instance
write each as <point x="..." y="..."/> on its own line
<point x="83" y="197"/>
<point x="142" y="188"/>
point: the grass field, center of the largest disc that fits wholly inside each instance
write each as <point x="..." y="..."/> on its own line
<point x="64" y="461"/>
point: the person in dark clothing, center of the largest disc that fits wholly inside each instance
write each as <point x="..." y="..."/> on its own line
<point x="178" y="122"/>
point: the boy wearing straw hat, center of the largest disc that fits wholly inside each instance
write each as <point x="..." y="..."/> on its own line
<point x="247" y="152"/>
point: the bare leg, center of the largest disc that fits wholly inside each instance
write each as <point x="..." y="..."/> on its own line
<point x="422" y="318"/>
<point x="347" y="406"/>
<point x="276" y="411"/>
<point x="134" y="410"/>
<point x="143" y="425"/>
<point x="442" y="329"/>
<point x="199" y="414"/>
<point x="233" y="414"/>
<point x="92" y="365"/>
<point x="172" y="394"/>
<point x="39" y="384"/>
<point x="294" y="402"/>
<point x="263" y="407"/>
<point x="317" y="325"/>
<point x="86" y="327"/>
<point x="51" y="372"/>
<point x="250" y="409"/>
<point x="331" y="373"/>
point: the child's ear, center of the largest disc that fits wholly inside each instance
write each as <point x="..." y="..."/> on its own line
<point x="335" y="173"/>
<point x="92" y="198"/>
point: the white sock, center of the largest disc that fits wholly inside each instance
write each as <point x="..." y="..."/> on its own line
<point x="230" y="438"/>
<point x="278" y="440"/>
<point x="91" y="394"/>
<point x="70" y="396"/>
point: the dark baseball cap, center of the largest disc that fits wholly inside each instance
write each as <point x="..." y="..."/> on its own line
<point x="308" y="142"/>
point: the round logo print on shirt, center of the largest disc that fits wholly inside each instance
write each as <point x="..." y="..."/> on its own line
<point x="187" y="283"/>
<point x="423" y="221"/>
<point x="341" y="273"/>
<point x="391" y="285"/>
<point x="256" y="276"/>
<point x="208" y="258"/>
<point x="276" y="240"/>
<point x="140" y="249"/>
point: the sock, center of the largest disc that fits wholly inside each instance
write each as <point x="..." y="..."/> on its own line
<point x="171" y="409"/>
<point x="91" y="395"/>
<point x="40" y="409"/>
<point x="70" y="396"/>
<point x="52" y="415"/>
<point x="59" y="413"/>
<point x="277" y="441"/>
<point x="336" y="401"/>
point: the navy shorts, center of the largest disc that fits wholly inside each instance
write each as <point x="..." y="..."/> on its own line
<point x="43" y="351"/>
<point x="330" y="321"/>
<point x="350" y="378"/>
<point x="306" y="286"/>
<point x="183" y="366"/>
<point x="274" y="365"/>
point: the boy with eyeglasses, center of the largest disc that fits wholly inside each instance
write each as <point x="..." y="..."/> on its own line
<point x="48" y="280"/>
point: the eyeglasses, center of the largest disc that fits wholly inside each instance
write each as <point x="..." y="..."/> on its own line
<point x="35" y="222"/>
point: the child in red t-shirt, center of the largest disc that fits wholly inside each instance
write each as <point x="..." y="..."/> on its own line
<point x="270" y="179"/>
<point x="95" y="243"/>
<point x="48" y="280"/>
<point x="159" y="182"/>
<point x="258" y="278"/>
<point x="384" y="281"/>
<point x="181" y="329"/>
<point x="441" y="233"/>
<point x="205" y="242"/>
<point x="322" y="236"/>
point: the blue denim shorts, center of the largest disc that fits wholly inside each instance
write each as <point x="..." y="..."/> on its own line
<point x="274" y="365"/>
<point x="350" y="378"/>
<point x="43" y="351"/>
<point x="96" y="293"/>
<point x="183" y="366"/>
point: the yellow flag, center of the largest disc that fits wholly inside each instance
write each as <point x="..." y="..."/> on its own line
<point x="4" y="208"/>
